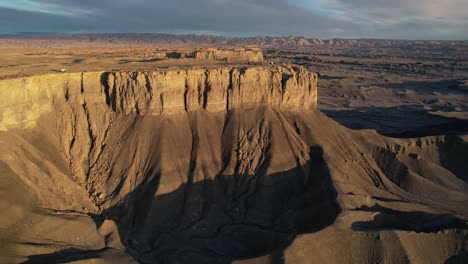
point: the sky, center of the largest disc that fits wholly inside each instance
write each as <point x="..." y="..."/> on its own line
<point x="396" y="19"/>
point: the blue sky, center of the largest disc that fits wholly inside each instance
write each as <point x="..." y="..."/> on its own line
<point x="405" y="19"/>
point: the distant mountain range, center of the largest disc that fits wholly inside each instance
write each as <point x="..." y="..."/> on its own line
<point x="266" y="41"/>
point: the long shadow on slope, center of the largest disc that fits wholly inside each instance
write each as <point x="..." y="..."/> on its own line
<point x="461" y="258"/>
<point x="429" y="87"/>
<point x="224" y="219"/>
<point x="400" y="122"/>
<point x="409" y="221"/>
<point x="64" y="256"/>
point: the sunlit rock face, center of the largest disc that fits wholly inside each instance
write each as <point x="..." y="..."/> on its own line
<point x="216" y="165"/>
<point x="160" y="92"/>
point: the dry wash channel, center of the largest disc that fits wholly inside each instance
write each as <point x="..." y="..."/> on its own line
<point x="228" y="165"/>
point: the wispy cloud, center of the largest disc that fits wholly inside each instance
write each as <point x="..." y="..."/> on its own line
<point x="46" y="7"/>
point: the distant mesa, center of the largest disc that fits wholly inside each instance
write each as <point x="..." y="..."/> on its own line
<point x="239" y="55"/>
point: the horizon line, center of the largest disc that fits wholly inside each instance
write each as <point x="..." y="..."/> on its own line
<point x="37" y="34"/>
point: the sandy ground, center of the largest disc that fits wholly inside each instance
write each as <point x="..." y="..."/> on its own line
<point x="396" y="92"/>
<point x="23" y="62"/>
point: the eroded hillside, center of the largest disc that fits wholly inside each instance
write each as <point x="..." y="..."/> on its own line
<point x="216" y="166"/>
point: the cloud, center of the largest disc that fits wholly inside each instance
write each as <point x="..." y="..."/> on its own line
<point x="424" y="19"/>
<point x="405" y="8"/>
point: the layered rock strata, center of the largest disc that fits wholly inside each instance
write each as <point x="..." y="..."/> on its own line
<point x="235" y="55"/>
<point x="158" y="92"/>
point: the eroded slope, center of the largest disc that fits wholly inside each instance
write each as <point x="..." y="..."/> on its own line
<point x="214" y="166"/>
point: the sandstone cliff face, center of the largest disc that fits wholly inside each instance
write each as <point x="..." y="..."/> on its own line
<point x="239" y="55"/>
<point x="236" y="55"/>
<point x="150" y="167"/>
<point x="155" y="93"/>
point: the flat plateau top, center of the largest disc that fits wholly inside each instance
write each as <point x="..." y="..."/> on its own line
<point x="17" y="62"/>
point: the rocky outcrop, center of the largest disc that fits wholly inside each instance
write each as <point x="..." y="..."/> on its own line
<point x="158" y="92"/>
<point x="235" y="55"/>
<point x="239" y="55"/>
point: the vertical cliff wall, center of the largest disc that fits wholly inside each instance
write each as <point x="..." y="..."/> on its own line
<point x="159" y="92"/>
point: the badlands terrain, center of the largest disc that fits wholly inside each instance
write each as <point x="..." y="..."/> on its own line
<point x="200" y="149"/>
